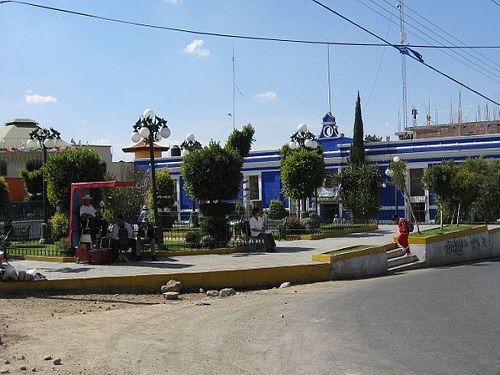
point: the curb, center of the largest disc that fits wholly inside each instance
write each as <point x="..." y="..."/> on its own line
<point x="192" y="281"/>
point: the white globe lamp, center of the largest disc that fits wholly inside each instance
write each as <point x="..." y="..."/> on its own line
<point x="31" y="143"/>
<point x="48" y="143"/>
<point x="396" y="159"/>
<point x="190" y="137"/>
<point x="293" y="145"/>
<point x="149" y="114"/>
<point x="165" y="132"/>
<point x="135" y="137"/>
<point x="302" y="128"/>
<point x="144" y="132"/>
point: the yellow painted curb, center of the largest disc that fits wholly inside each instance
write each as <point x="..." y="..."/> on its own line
<point x="338" y="233"/>
<point x="370" y="250"/>
<point x="447" y="236"/>
<point x="494" y="230"/>
<point x="239" y="279"/>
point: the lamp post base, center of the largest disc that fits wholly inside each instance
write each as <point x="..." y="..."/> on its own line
<point x="45" y="234"/>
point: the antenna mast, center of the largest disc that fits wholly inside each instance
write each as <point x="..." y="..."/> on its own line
<point x="400" y="5"/>
<point x="234" y="87"/>
<point x="328" y="75"/>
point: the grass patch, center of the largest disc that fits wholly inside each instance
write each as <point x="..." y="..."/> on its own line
<point x="437" y="231"/>
<point x="348" y="249"/>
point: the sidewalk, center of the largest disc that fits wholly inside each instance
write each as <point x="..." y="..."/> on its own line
<point x="289" y="253"/>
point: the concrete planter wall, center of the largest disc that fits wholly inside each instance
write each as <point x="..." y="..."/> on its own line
<point x="337" y="233"/>
<point x="465" y="245"/>
<point x="368" y="262"/>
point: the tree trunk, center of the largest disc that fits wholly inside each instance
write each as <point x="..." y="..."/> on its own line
<point x="452" y="217"/>
<point x="441" y="212"/>
<point x="458" y="213"/>
<point x="407" y="198"/>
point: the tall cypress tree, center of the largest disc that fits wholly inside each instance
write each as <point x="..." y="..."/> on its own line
<point x="358" y="145"/>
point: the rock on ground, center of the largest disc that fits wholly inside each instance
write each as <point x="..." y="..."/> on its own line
<point x="212" y="293"/>
<point x="285" y="284"/>
<point x="171" y="295"/>
<point x="226" y="292"/>
<point x="172" y="286"/>
<point x="57" y="361"/>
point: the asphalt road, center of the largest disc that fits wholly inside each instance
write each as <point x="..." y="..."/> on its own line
<point x="433" y="321"/>
<point x="429" y="321"/>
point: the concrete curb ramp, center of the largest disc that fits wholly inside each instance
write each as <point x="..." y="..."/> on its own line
<point x="192" y="281"/>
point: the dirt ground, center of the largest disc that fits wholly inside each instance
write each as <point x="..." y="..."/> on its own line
<point x="127" y="334"/>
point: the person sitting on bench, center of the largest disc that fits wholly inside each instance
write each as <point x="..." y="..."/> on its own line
<point x="122" y="237"/>
<point x="146" y="235"/>
<point x="257" y="230"/>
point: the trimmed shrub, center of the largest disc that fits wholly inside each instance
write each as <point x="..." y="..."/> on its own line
<point x="60" y="225"/>
<point x="277" y="210"/>
<point x="193" y="239"/>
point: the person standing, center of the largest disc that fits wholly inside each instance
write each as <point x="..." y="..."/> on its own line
<point x="404" y="231"/>
<point x="146" y="235"/>
<point x="88" y="220"/>
<point x="257" y="230"/>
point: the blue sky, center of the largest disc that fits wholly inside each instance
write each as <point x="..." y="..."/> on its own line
<point x="92" y="79"/>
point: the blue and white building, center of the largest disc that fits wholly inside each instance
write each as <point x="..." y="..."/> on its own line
<point x="419" y="147"/>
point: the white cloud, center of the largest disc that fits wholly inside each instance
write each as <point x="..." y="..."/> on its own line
<point x="173" y="2"/>
<point x="267" y="96"/>
<point x="195" y="48"/>
<point x="32" y="98"/>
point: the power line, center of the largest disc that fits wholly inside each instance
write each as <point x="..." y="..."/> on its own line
<point x="483" y="70"/>
<point x="493" y="1"/>
<point x="232" y="36"/>
<point x="408" y="51"/>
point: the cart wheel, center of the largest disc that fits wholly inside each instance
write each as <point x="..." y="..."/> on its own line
<point x="77" y="260"/>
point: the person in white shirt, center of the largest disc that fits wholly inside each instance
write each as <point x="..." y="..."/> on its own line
<point x="257" y="230"/>
<point x="88" y="217"/>
<point x="122" y="237"/>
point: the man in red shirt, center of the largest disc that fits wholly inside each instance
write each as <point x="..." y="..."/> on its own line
<point x="404" y="230"/>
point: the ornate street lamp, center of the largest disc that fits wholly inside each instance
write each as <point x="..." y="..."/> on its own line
<point x="190" y="144"/>
<point x="151" y="128"/>
<point x="390" y="173"/>
<point x="303" y="138"/>
<point x="46" y="139"/>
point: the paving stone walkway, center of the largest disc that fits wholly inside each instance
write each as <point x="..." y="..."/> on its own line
<point x="288" y="253"/>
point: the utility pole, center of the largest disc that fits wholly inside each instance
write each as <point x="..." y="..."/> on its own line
<point x="400" y="5"/>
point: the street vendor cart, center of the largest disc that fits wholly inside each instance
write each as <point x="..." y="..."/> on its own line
<point x="85" y="250"/>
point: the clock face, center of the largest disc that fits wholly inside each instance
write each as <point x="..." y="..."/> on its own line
<point x="329" y="131"/>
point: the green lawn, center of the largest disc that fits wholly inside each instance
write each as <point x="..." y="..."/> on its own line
<point x="447" y="229"/>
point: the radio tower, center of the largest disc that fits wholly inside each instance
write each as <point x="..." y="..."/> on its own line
<point x="400" y="5"/>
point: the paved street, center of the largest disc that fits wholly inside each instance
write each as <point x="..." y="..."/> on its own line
<point x="288" y="253"/>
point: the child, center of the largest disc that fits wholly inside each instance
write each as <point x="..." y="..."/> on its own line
<point x="404" y="230"/>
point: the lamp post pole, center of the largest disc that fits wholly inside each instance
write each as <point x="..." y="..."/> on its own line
<point x="46" y="139"/>
<point x="304" y="139"/>
<point x="152" y="129"/>
<point x="190" y="144"/>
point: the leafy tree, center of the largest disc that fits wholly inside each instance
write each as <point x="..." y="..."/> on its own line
<point x="241" y="141"/>
<point x="71" y="165"/>
<point x="277" y="210"/>
<point x="165" y="190"/>
<point x="4" y="193"/>
<point x="359" y="190"/>
<point x="125" y="200"/>
<point x="486" y="205"/>
<point x="33" y="182"/>
<point x="372" y="138"/>
<point x="212" y="173"/>
<point x="358" y="146"/>
<point x="470" y="175"/>
<point x="302" y="171"/>
<point x="398" y="178"/>
<point x="440" y="179"/>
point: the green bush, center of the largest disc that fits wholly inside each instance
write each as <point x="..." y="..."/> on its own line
<point x="63" y="246"/>
<point x="208" y="242"/>
<point x="215" y="227"/>
<point x="193" y="238"/>
<point x="60" y="225"/>
<point x="294" y="226"/>
<point x="277" y="210"/>
<point x="312" y="222"/>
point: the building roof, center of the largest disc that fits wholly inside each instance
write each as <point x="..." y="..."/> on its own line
<point x="16" y="132"/>
<point x="144" y="146"/>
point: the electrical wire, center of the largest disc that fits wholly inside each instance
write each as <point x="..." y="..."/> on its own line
<point x="414" y="54"/>
<point x="493" y="1"/>
<point x="485" y="71"/>
<point x="233" y="36"/>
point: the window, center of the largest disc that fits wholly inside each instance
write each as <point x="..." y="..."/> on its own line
<point x="253" y="185"/>
<point x="3" y="168"/>
<point x="416" y="186"/>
